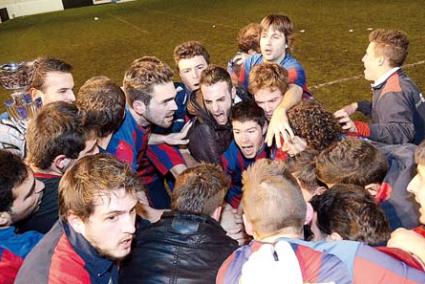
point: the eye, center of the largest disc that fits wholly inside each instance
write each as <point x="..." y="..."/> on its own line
<point x="112" y="218"/>
<point x="185" y="71"/>
<point x="236" y="132"/>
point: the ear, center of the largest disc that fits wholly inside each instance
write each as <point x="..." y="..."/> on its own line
<point x="5" y="219"/>
<point x="139" y="107"/>
<point x="35" y="93"/>
<point x="76" y="223"/>
<point x="60" y="163"/>
<point x="381" y="60"/>
<point x="248" y="225"/>
<point x="233" y="93"/>
<point x="334" y="237"/>
<point x="217" y="213"/>
<point x="319" y="190"/>
<point x="373" y="188"/>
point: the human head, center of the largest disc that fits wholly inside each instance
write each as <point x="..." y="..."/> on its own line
<point x="417" y="184"/>
<point x="249" y="127"/>
<point x="55" y="137"/>
<point x="302" y="167"/>
<point x="387" y="49"/>
<point x="351" y="161"/>
<point x="20" y="192"/>
<point x="97" y="197"/>
<point x="148" y="85"/>
<point x="349" y="212"/>
<point x="311" y="122"/>
<point x="191" y="58"/>
<point x="272" y="200"/>
<point x="276" y="37"/>
<point x="52" y="80"/>
<point x="200" y="190"/>
<point x="217" y="93"/>
<point x="101" y="104"/>
<point x="249" y="38"/>
<point x="268" y="82"/>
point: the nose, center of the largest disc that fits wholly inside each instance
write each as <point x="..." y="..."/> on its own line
<point x="268" y="108"/>
<point x="412" y="184"/>
<point x="215" y="107"/>
<point x="364" y="58"/>
<point x="173" y="105"/>
<point x="129" y="224"/>
<point x="71" y="96"/>
<point x="244" y="137"/>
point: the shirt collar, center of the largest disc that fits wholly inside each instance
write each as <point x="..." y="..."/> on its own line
<point x="384" y="77"/>
<point x="94" y="262"/>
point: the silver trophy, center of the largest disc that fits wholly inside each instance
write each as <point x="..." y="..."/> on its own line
<point x="17" y="77"/>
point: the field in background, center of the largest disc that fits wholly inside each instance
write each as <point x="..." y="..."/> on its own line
<point x="123" y="32"/>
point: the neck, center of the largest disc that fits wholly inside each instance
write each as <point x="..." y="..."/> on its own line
<point x="49" y="171"/>
<point x="140" y="120"/>
<point x="104" y="141"/>
<point x="290" y="233"/>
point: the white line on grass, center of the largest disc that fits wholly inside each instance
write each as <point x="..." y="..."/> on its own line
<point x="357" y="77"/>
<point x="128" y="23"/>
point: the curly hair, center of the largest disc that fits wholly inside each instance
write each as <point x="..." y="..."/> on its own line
<point x="310" y="121"/>
<point x="268" y="76"/>
<point x="249" y="38"/>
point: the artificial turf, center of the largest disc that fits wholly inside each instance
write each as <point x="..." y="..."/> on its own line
<point x="126" y="31"/>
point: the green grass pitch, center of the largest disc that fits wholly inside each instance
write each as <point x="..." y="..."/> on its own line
<point x="326" y="48"/>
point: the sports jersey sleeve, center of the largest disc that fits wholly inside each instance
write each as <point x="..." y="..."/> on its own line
<point x="164" y="157"/>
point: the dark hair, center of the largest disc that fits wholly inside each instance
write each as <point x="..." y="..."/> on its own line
<point x="42" y="66"/>
<point x="200" y="190"/>
<point x="190" y="49"/>
<point x="13" y="172"/>
<point x="351" y="211"/>
<point x="248" y="110"/>
<point x="214" y="74"/>
<point x="392" y="43"/>
<point x="351" y="161"/>
<point x="57" y="130"/>
<point x="101" y="104"/>
<point x="309" y="120"/>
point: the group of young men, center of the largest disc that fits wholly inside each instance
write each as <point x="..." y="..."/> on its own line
<point x="234" y="175"/>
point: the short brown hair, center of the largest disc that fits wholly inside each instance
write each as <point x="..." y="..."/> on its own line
<point x="44" y="65"/>
<point x="393" y="44"/>
<point x="200" y="190"/>
<point x="302" y="167"/>
<point x="141" y="77"/>
<point x="268" y="76"/>
<point x="351" y="211"/>
<point x="214" y="74"/>
<point x="351" y="161"/>
<point x="310" y="121"/>
<point x="272" y="199"/>
<point x="279" y="23"/>
<point x="101" y="104"/>
<point x="57" y="130"/>
<point x="420" y="154"/>
<point x="91" y="177"/>
<point x="190" y="49"/>
<point x="249" y="38"/>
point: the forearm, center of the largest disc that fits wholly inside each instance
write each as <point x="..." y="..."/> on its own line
<point x="156" y="139"/>
<point x="292" y="96"/>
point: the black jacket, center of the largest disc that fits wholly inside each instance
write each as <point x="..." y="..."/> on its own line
<point x="180" y="248"/>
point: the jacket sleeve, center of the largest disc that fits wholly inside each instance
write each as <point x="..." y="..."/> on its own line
<point x="202" y="144"/>
<point x="398" y="127"/>
<point x="364" y="107"/>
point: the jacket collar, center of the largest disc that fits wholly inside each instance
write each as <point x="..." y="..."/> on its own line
<point x="94" y="262"/>
<point x="381" y="80"/>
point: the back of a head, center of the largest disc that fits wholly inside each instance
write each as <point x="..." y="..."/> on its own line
<point x="190" y="49"/>
<point x="214" y="74"/>
<point x="248" y="111"/>
<point x="57" y="130"/>
<point x="200" y="190"/>
<point x="141" y="77"/>
<point x="13" y="172"/>
<point x="249" y="38"/>
<point x="44" y="65"/>
<point x="351" y="161"/>
<point x="279" y="23"/>
<point x="351" y="211"/>
<point x="272" y="199"/>
<point x="310" y="121"/>
<point x="393" y="44"/>
<point x="268" y="76"/>
<point x="101" y="104"/>
<point x="91" y="177"/>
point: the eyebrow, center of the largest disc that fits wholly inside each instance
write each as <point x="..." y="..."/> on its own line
<point x="31" y="191"/>
<point x="119" y="212"/>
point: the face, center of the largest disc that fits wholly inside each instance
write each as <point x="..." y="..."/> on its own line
<point x="58" y="86"/>
<point x="268" y="100"/>
<point x="218" y="101"/>
<point x="111" y="227"/>
<point x="371" y="62"/>
<point x="27" y="198"/>
<point x="273" y="45"/>
<point x="190" y="71"/>
<point x="249" y="137"/>
<point x="417" y="187"/>
<point x="162" y="106"/>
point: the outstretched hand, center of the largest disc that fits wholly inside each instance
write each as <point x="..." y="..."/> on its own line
<point x="279" y="127"/>
<point x="344" y="119"/>
<point x="179" y="138"/>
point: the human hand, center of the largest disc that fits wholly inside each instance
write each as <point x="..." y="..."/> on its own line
<point x="351" y="108"/>
<point x="344" y="119"/>
<point x="279" y="127"/>
<point x="12" y="136"/>
<point x="178" y="138"/>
